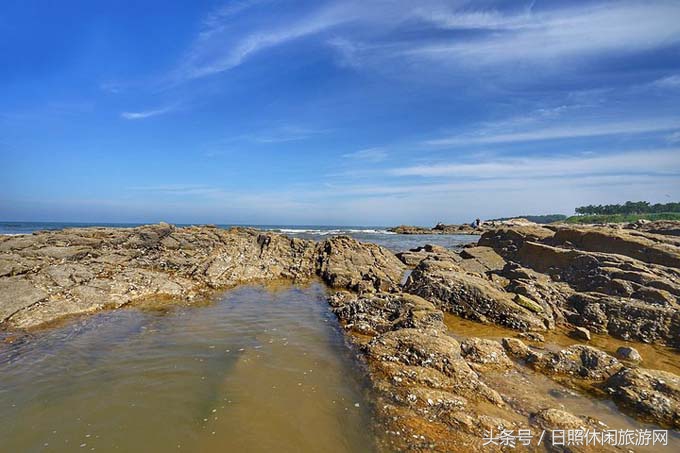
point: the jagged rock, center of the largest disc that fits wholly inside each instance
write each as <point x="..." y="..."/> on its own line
<point x="347" y="263"/>
<point x="628" y="319"/>
<point x="48" y="275"/>
<point x="652" y="394"/>
<point x="617" y="282"/>
<point x="629" y="354"/>
<point x="450" y="288"/>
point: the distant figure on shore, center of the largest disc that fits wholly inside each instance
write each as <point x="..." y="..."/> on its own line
<point x="478" y="223"/>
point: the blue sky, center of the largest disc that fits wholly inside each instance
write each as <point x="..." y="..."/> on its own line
<point x="335" y="112"/>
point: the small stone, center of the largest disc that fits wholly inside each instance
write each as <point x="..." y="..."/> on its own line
<point x="629" y="354"/>
<point x="581" y="333"/>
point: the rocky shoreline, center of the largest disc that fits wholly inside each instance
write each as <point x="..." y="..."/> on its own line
<point x="435" y="392"/>
<point x="432" y="392"/>
<point x="464" y="228"/>
<point x="48" y="275"/>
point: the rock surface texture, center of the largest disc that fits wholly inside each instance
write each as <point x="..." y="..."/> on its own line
<point x="609" y="280"/>
<point x="48" y="275"/>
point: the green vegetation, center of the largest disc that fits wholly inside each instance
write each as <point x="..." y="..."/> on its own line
<point x="629" y="207"/>
<point x="547" y="218"/>
<point x="622" y="218"/>
<point x="630" y="211"/>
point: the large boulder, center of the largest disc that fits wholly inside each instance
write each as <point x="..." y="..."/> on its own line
<point x="452" y="289"/>
<point x="344" y="262"/>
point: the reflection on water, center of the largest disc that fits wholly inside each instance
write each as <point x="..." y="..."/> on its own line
<point x="262" y="369"/>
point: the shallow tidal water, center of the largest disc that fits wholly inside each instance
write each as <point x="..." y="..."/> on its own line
<point x="532" y="389"/>
<point x="260" y="369"/>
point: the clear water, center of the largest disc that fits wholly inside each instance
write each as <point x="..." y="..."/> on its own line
<point x="376" y="234"/>
<point x="534" y="390"/>
<point x="260" y="369"/>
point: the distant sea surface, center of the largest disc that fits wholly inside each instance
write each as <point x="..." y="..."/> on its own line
<point x="377" y="234"/>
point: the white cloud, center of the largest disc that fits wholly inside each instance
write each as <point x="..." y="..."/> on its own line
<point x="612" y="27"/>
<point x="672" y="81"/>
<point x="286" y="133"/>
<point x="215" y="51"/>
<point x="362" y="29"/>
<point x="144" y="114"/>
<point x="663" y="161"/>
<point x="368" y="154"/>
<point x="490" y="136"/>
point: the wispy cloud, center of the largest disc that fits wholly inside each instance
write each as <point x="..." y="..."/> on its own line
<point x="179" y="189"/>
<point x="145" y="114"/>
<point x="672" y="81"/>
<point x="654" y="161"/>
<point x="216" y="51"/>
<point x="491" y="136"/>
<point x="356" y="30"/>
<point x="613" y="27"/>
<point x="368" y="155"/>
<point x="282" y="134"/>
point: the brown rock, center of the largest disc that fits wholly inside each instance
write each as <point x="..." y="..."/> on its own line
<point x="581" y="333"/>
<point x="468" y="295"/>
<point x="82" y="270"/>
<point x="653" y="394"/>
<point x="486" y="256"/>
<point x="484" y="354"/>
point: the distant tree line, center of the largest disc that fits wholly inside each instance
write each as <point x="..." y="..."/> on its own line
<point x="629" y="207"/>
